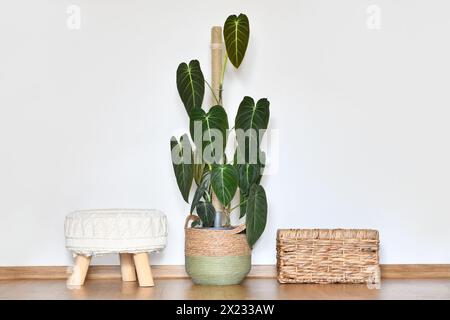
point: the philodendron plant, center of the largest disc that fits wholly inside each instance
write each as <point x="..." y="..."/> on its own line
<point x="201" y="156"/>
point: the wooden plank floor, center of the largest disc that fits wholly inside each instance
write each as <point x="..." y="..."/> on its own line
<point x="250" y="289"/>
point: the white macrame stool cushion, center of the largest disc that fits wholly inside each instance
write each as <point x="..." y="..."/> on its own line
<point x="94" y="232"/>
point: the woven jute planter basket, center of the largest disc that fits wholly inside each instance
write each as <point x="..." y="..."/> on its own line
<point x="216" y="257"/>
<point x="328" y="256"/>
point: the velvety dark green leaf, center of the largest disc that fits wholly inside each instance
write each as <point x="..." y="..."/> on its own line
<point x="262" y="166"/>
<point x="191" y="85"/>
<point x="256" y="213"/>
<point x="251" y="154"/>
<point x="201" y="190"/>
<point x="199" y="167"/>
<point x="216" y="119"/>
<point x="198" y="172"/>
<point x="224" y="181"/>
<point x="182" y="164"/>
<point x="251" y="115"/>
<point x="250" y="119"/>
<point x="243" y="204"/>
<point x="236" y="32"/>
<point x="248" y="175"/>
<point x="206" y="213"/>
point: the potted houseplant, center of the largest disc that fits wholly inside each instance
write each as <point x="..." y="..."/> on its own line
<point x="217" y="253"/>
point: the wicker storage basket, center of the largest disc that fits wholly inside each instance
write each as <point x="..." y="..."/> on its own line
<point x="328" y="256"/>
<point x="216" y="257"/>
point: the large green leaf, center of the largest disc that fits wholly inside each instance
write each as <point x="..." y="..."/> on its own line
<point x="198" y="172"/>
<point x="182" y="164"/>
<point x="243" y="204"/>
<point x="256" y="213"/>
<point x="191" y="85"/>
<point x="248" y="175"/>
<point x="250" y="119"/>
<point x="206" y="213"/>
<point x="236" y="32"/>
<point x="251" y="115"/>
<point x="216" y="119"/>
<point x="202" y="190"/>
<point x="199" y="167"/>
<point x="224" y="181"/>
<point x="262" y="166"/>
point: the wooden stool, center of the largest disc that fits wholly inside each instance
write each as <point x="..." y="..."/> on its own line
<point x="130" y="233"/>
<point x="130" y="264"/>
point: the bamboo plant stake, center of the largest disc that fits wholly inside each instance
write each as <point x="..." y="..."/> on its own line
<point x="216" y="62"/>
<point x="216" y="71"/>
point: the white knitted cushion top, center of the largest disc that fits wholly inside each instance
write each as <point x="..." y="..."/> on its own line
<point x="92" y="232"/>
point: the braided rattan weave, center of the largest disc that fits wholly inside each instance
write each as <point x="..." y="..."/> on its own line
<point x="328" y="256"/>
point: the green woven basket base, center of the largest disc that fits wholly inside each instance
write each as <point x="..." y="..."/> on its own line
<point x="218" y="271"/>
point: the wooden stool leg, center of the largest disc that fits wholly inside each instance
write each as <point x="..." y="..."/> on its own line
<point x="79" y="271"/>
<point x="144" y="273"/>
<point x="127" y="267"/>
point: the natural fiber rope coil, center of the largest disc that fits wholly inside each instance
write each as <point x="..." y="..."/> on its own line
<point x="216" y="257"/>
<point x="215" y="243"/>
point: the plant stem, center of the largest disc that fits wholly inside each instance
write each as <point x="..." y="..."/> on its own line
<point x="222" y="75"/>
<point x="238" y="205"/>
<point x="224" y="66"/>
<point x="226" y="212"/>
<point x="212" y="91"/>
<point x="208" y="196"/>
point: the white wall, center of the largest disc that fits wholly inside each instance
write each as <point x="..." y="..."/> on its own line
<point x="86" y="117"/>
